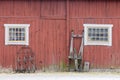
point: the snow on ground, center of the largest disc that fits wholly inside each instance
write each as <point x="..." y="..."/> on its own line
<point x="61" y="76"/>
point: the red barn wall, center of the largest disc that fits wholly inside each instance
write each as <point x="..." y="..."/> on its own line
<point x="98" y="12"/>
<point x="50" y="26"/>
<point x="47" y="36"/>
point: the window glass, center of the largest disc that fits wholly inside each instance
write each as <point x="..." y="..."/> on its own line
<point x="16" y="34"/>
<point x="98" y="34"/>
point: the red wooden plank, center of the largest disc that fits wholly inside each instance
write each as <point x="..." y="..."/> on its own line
<point x="35" y="8"/>
<point x="6" y="8"/>
<point x="41" y="45"/>
<point x="53" y="8"/>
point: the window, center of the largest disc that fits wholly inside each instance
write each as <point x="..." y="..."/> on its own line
<point x="98" y="34"/>
<point x="16" y="34"/>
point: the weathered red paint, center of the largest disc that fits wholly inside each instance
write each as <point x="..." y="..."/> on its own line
<point x="50" y="24"/>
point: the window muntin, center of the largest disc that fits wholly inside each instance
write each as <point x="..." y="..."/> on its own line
<point x="16" y="34"/>
<point x="98" y="34"/>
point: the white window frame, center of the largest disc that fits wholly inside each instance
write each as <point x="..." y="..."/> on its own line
<point x="87" y="42"/>
<point x="7" y="26"/>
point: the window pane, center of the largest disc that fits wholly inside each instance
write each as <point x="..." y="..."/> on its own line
<point x="105" y="39"/>
<point x="101" y="39"/>
<point x="19" y="29"/>
<point x="101" y="35"/>
<point x="89" y="34"/>
<point x="17" y="39"/>
<point x="98" y="34"/>
<point x="22" y="38"/>
<point x="16" y="29"/>
<point x="16" y="34"/>
<point x="22" y="29"/>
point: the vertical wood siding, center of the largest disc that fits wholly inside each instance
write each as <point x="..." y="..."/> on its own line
<point x="50" y="24"/>
<point x="98" y="12"/>
<point x="53" y="9"/>
<point x="47" y="37"/>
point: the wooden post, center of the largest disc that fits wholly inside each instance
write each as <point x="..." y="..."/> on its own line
<point x="67" y="28"/>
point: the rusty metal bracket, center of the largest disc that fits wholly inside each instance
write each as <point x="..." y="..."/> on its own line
<point x="25" y="60"/>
